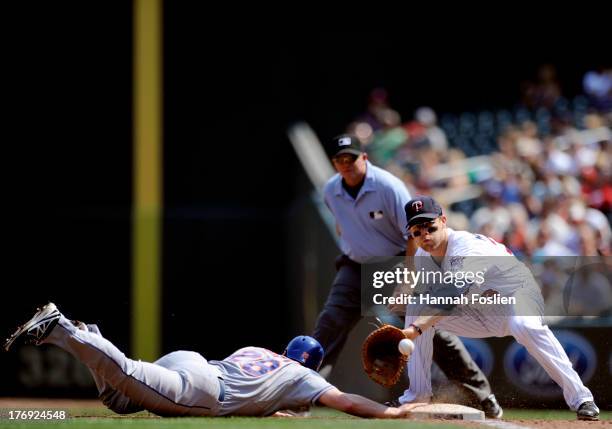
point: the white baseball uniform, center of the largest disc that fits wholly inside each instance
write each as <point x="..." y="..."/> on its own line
<point x="509" y="277"/>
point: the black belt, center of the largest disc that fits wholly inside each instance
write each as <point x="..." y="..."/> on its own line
<point x="221" y="389"/>
<point x="345" y="260"/>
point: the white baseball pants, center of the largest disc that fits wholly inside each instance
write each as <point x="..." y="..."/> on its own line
<point x="538" y="339"/>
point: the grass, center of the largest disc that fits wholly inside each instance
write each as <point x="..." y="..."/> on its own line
<point x="321" y="418"/>
<point x="99" y="418"/>
<point x="232" y="422"/>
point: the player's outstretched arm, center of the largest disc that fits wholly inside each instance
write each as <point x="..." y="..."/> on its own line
<point x="358" y="405"/>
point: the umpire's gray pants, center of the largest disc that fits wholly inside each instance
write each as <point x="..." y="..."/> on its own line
<point x="342" y="311"/>
<point x="179" y="384"/>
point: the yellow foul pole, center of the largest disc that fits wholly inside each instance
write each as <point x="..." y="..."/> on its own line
<point x="146" y="214"/>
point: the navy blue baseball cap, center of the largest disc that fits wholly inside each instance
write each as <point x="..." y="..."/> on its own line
<point x="345" y="143"/>
<point x="421" y="209"/>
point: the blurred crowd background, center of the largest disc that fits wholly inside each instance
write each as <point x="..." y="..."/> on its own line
<point x="537" y="176"/>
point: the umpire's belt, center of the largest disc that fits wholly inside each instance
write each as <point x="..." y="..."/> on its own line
<point x="221" y="389"/>
<point x="345" y="260"/>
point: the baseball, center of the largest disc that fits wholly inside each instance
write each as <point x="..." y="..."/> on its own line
<point x="405" y="346"/>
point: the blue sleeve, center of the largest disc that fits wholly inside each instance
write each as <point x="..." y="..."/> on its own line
<point x="327" y="191"/>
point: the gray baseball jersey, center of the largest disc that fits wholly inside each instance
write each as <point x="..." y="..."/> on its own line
<point x="260" y="382"/>
<point x="252" y="381"/>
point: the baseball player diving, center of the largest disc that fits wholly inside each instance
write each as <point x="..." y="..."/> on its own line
<point x="251" y="382"/>
<point x="438" y="247"/>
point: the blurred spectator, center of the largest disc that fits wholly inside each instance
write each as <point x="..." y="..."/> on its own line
<point x="528" y="144"/>
<point x="547" y="246"/>
<point x="388" y="139"/>
<point x="587" y="240"/>
<point x="558" y="161"/>
<point x="597" y="85"/>
<point x="595" y="131"/>
<point x="588" y="291"/>
<point x="516" y="237"/>
<point x="601" y="225"/>
<point x="378" y="103"/>
<point x="379" y="128"/>
<point x="493" y="218"/>
<point x="511" y="192"/>
<point x="552" y="279"/>
<point x="435" y="135"/>
<point x="372" y="120"/>
<point x="545" y="91"/>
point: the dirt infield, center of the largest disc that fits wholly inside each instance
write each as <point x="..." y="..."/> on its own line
<point x="562" y="424"/>
<point x="21" y="403"/>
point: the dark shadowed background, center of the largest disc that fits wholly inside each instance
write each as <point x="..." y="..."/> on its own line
<point x="230" y="175"/>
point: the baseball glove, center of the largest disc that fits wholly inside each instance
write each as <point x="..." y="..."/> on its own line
<point x="382" y="361"/>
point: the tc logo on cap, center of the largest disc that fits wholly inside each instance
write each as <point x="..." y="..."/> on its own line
<point x="417" y="206"/>
<point x="344" y="141"/>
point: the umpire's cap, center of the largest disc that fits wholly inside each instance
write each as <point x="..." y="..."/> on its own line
<point x="305" y="350"/>
<point x="344" y="143"/>
<point x="421" y="209"/>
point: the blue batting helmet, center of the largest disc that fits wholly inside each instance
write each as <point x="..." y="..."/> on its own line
<point x="305" y="350"/>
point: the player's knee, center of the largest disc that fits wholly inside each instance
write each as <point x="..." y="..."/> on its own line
<point x="522" y="327"/>
<point x="118" y="403"/>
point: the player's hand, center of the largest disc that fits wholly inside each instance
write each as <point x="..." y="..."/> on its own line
<point x="410" y="332"/>
<point x="411" y="247"/>
<point x="282" y="414"/>
<point x="406" y="409"/>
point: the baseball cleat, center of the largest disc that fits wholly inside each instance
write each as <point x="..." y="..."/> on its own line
<point x="588" y="411"/>
<point x="37" y="328"/>
<point x="491" y="408"/>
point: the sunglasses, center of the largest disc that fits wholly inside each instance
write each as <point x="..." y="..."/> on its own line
<point x="345" y="159"/>
<point x="429" y="226"/>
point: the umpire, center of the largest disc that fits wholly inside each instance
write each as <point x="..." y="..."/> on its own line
<point x="368" y="205"/>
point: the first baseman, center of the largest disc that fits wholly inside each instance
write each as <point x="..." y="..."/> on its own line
<point x="368" y="205"/>
<point x="441" y="248"/>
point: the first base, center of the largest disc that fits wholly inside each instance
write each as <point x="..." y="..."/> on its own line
<point x="446" y="412"/>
